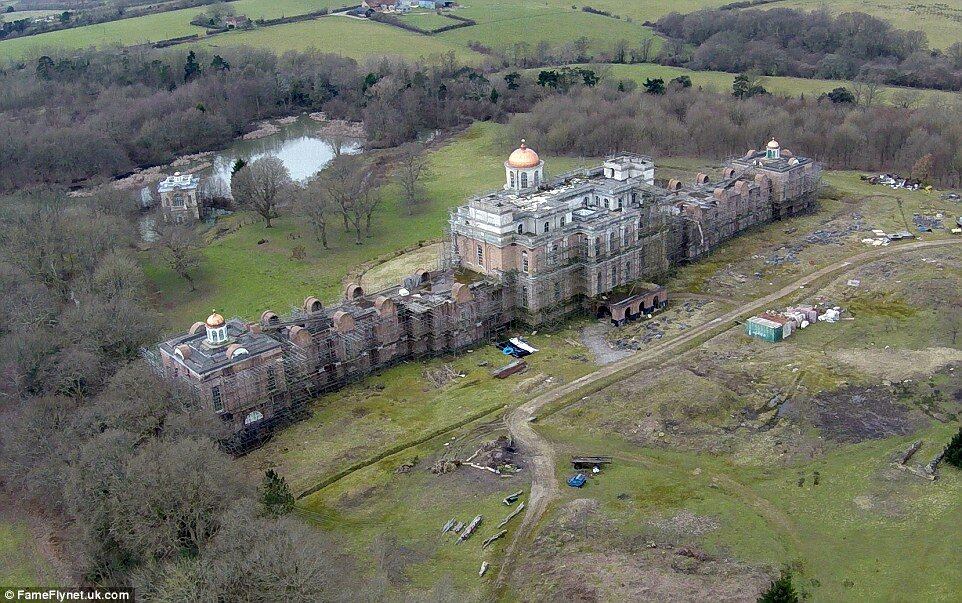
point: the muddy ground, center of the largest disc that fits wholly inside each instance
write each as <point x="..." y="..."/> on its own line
<point x="583" y="556"/>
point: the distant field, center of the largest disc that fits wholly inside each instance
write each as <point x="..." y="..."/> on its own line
<point x="503" y="23"/>
<point x="26" y="14"/>
<point x="427" y="20"/>
<point x="786" y="86"/>
<point x="355" y="38"/>
<point x="151" y="28"/>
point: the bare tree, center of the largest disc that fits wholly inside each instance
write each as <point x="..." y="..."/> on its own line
<point x="352" y="186"/>
<point x="314" y="205"/>
<point x="868" y="91"/>
<point x="179" y="246"/>
<point x="263" y="186"/>
<point x="411" y="167"/>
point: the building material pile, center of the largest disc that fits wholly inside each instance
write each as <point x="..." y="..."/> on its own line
<point x="776" y="326"/>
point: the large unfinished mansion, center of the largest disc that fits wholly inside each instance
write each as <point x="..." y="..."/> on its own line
<point x="535" y="250"/>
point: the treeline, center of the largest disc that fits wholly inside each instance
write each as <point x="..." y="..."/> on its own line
<point x="124" y="467"/>
<point x="592" y="122"/>
<point x="93" y="115"/>
<point x="790" y="42"/>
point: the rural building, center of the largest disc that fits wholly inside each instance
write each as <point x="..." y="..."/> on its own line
<point x="534" y="251"/>
<point x="178" y="198"/>
<point x="236" y="21"/>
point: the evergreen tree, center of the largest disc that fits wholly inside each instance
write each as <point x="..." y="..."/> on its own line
<point x="191" y="67"/>
<point x="220" y="63"/>
<point x="953" y="452"/>
<point x="654" y="86"/>
<point x="494" y="95"/>
<point x="45" y="68"/>
<point x="238" y="166"/>
<point x="781" y="590"/>
<point x="276" y="495"/>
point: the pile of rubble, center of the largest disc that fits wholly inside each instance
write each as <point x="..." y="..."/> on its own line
<point x="928" y="223"/>
<point x="895" y="181"/>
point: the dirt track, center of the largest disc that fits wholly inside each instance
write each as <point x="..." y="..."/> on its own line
<point x="544" y="484"/>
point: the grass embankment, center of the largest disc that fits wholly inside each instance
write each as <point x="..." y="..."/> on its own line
<point x="239" y="277"/>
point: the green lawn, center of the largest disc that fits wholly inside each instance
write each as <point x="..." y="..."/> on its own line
<point x="240" y="277"/>
<point x="783" y="86"/>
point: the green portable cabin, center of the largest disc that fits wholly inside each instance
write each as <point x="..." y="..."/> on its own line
<point x="763" y="328"/>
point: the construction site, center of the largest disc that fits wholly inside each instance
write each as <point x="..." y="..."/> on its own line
<point x="533" y="253"/>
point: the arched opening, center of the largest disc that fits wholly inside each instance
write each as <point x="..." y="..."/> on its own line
<point x="604" y="312"/>
<point x="524" y="179"/>
<point x="253" y="417"/>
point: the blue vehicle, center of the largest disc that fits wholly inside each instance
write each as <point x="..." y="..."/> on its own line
<point x="578" y="480"/>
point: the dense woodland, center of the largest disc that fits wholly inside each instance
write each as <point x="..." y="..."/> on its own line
<point x="784" y="41"/>
<point x="126" y="470"/>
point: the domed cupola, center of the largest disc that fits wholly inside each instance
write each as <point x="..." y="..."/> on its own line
<point x="523" y="169"/>
<point x="773" y="151"/>
<point x="216" y="330"/>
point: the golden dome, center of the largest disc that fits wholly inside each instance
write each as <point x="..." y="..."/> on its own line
<point x="215" y="320"/>
<point x="523" y="157"/>
<point x="773" y="144"/>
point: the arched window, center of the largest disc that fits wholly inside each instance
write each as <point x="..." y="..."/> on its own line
<point x="253" y="417"/>
<point x="512" y="179"/>
<point x="524" y="179"/>
<point x="524" y="261"/>
<point x="520" y="228"/>
<point x="537" y="178"/>
<point x="546" y="226"/>
<point x="562" y="221"/>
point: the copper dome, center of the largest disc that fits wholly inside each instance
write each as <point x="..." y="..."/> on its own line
<point x="523" y="157"/>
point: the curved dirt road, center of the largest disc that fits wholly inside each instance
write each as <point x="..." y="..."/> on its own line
<point x="544" y="484"/>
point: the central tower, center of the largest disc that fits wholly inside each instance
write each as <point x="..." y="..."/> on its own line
<point x="523" y="169"/>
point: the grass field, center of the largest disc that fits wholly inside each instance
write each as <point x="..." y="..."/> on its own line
<point x="782" y="86"/>
<point x="150" y="28"/>
<point x="356" y="38"/>
<point x="426" y="19"/>
<point x="240" y="277"/>
<point x="503" y="23"/>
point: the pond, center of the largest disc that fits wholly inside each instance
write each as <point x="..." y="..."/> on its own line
<point x="299" y="145"/>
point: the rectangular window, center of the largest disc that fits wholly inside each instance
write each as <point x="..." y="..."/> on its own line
<point x="215" y="396"/>
<point x="271" y="379"/>
<point x="557" y="291"/>
<point x="524" y="261"/>
<point x="614" y="276"/>
<point x="598" y="246"/>
<point x="524" y="296"/>
<point x="480" y="255"/>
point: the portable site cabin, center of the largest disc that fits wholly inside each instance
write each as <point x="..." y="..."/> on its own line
<point x="764" y="328"/>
